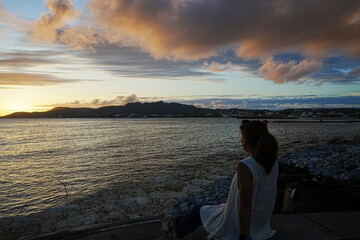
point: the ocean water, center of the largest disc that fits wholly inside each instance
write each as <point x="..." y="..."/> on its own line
<point x="44" y="160"/>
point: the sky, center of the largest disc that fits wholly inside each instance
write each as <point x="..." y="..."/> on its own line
<point x="252" y="54"/>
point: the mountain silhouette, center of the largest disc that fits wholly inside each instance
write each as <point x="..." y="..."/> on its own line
<point x="137" y="109"/>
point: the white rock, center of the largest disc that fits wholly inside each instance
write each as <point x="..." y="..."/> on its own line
<point x="217" y="177"/>
<point x="162" y="179"/>
<point x="166" y="194"/>
<point x="169" y="204"/>
<point x="47" y="227"/>
<point x="128" y="202"/>
<point x="185" y="174"/>
<point x="191" y="190"/>
<point x="116" y="215"/>
<point x="201" y="182"/>
<point x="88" y="218"/>
<point x="133" y="216"/>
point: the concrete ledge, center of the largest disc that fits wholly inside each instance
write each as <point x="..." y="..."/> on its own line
<point x="316" y="226"/>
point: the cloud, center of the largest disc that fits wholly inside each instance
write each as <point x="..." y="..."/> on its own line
<point x="130" y="62"/>
<point x="29" y="79"/>
<point x="46" y="27"/>
<point x="271" y="103"/>
<point x="217" y="67"/>
<point x="220" y="104"/>
<point x="200" y="105"/>
<point x="182" y="29"/>
<point x="96" y="103"/>
<point x="229" y="34"/>
<point x="120" y="100"/>
<point x="23" y="61"/>
<point x="277" y="102"/>
<point x="339" y="71"/>
<point x="52" y="27"/>
<point x="10" y="22"/>
<point x="80" y="37"/>
<point x="280" y="72"/>
<point x="355" y="71"/>
<point x="7" y="18"/>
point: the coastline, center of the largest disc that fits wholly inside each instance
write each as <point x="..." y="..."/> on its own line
<point x="153" y="196"/>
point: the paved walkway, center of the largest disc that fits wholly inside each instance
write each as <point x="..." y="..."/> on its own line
<point x="316" y="226"/>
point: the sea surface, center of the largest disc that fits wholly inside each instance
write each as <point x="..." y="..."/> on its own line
<point x="44" y="160"/>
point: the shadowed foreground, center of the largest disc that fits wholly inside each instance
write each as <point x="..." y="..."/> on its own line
<point x="319" y="226"/>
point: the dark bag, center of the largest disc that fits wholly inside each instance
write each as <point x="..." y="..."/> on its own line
<point x="321" y="196"/>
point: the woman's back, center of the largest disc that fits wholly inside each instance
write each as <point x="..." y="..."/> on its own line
<point x="264" y="197"/>
<point x="222" y="221"/>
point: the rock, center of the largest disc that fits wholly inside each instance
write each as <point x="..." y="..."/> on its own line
<point x="166" y="194"/>
<point x="133" y="216"/>
<point x="177" y="187"/>
<point x="48" y="226"/>
<point x="172" y="185"/>
<point x="88" y="218"/>
<point x="18" y="222"/>
<point x="169" y="204"/>
<point x="185" y="175"/>
<point x="217" y="177"/>
<point x="336" y="140"/>
<point x="201" y="182"/>
<point x="356" y="139"/>
<point x="313" y="140"/>
<point x="5" y="223"/>
<point x="53" y="212"/>
<point x="128" y="202"/>
<point x="354" y="173"/>
<point x="61" y="225"/>
<point x="312" y="161"/>
<point x="116" y="215"/>
<point x="162" y="179"/>
<point x="191" y="190"/>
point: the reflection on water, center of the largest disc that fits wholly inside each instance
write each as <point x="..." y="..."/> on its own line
<point x="40" y="156"/>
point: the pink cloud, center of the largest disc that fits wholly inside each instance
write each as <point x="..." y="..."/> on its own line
<point x="280" y="72"/>
<point x="198" y="29"/>
<point x="30" y="79"/>
<point x="46" y="27"/>
<point x="218" y="67"/>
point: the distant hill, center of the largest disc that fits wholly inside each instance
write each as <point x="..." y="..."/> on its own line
<point x="154" y="109"/>
<point x="162" y="109"/>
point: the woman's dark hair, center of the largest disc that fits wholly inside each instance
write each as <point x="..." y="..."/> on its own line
<point x="265" y="146"/>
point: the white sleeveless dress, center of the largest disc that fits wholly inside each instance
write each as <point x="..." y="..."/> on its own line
<point x="222" y="221"/>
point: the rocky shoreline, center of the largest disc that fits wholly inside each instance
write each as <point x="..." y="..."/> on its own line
<point x="339" y="159"/>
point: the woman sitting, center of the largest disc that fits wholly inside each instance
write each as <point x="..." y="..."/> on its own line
<point x="252" y="195"/>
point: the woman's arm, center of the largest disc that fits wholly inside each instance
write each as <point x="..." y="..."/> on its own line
<point x="245" y="185"/>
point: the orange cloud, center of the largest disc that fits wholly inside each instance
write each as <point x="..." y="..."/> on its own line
<point x="192" y="30"/>
<point x="47" y="26"/>
<point x="95" y="103"/>
<point x="52" y="28"/>
<point x="11" y="22"/>
<point x="28" y="79"/>
<point x="197" y="29"/>
<point x="120" y="100"/>
<point x="4" y="15"/>
<point x="280" y="72"/>
<point x="218" y="67"/>
<point x="355" y="71"/>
